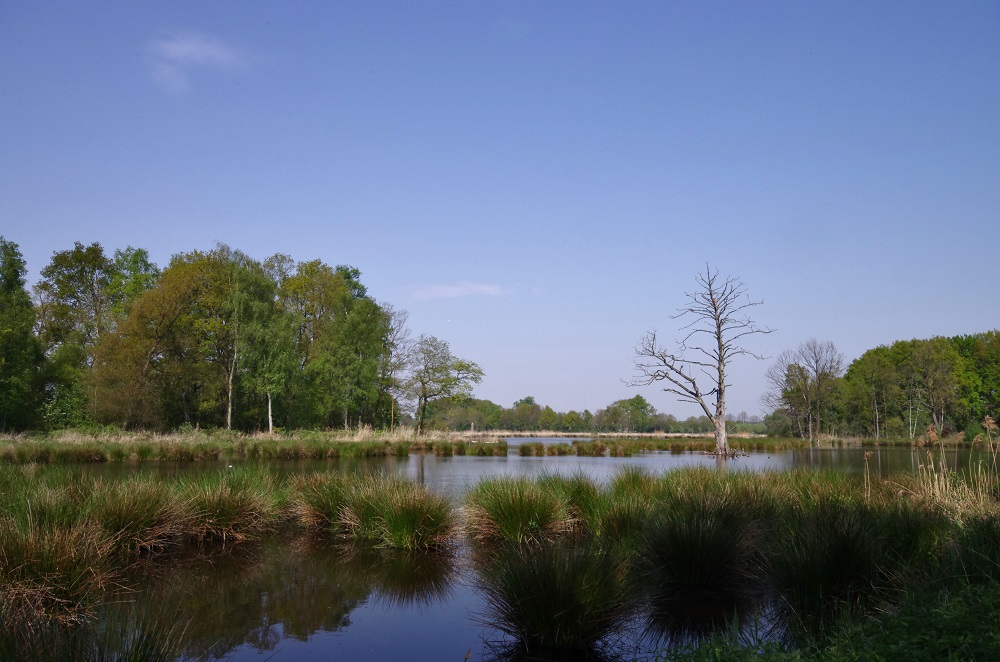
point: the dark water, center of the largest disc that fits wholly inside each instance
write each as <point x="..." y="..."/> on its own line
<point x="312" y="601"/>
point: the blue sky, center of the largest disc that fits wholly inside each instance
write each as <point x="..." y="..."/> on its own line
<point x="536" y="183"/>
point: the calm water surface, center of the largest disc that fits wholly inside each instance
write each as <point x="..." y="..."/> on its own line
<point x="311" y="601"/>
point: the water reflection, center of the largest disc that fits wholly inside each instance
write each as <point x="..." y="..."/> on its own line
<point x="258" y="598"/>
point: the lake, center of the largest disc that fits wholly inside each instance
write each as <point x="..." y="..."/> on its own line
<point x="309" y="600"/>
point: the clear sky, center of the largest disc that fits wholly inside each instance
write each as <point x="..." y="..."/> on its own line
<point x="536" y="183"/>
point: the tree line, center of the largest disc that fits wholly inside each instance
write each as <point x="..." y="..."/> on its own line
<point x="902" y="390"/>
<point x="214" y="339"/>
<point x="626" y="416"/>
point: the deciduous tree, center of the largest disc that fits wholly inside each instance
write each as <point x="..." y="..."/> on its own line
<point x="20" y="354"/>
<point x="436" y="373"/>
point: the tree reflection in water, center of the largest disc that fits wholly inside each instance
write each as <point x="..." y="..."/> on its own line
<point x="258" y="595"/>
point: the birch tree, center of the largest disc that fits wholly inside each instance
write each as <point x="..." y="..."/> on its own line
<point x="718" y="319"/>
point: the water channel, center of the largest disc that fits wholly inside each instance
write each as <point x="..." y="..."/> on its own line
<point x="314" y="601"/>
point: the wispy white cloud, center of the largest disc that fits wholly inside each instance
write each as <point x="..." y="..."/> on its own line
<point x="176" y="57"/>
<point x="458" y="290"/>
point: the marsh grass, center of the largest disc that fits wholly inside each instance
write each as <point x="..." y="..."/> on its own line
<point x="636" y="482"/>
<point x="586" y="501"/>
<point x="828" y="560"/>
<point x="517" y="510"/>
<point x="701" y="559"/>
<point x="141" y="513"/>
<point x="556" y="598"/>
<point x="232" y="505"/>
<point x="531" y="449"/>
<point x="397" y="514"/>
<point x="825" y="546"/>
<point x="317" y="501"/>
<point x="52" y="572"/>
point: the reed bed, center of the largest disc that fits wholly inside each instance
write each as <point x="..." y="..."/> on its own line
<point x="194" y="448"/>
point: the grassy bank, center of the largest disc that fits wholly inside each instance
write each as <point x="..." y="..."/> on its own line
<point x="69" y="447"/>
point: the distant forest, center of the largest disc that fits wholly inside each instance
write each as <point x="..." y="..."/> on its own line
<point x="218" y="339"/>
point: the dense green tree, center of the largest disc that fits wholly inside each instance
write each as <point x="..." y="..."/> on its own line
<point x="523" y="416"/>
<point x="132" y="274"/>
<point x="548" y="419"/>
<point x="233" y="297"/>
<point x="271" y="360"/>
<point x="75" y="310"/>
<point x="872" y="393"/>
<point x="934" y="373"/>
<point x="150" y="372"/>
<point x="20" y="354"/>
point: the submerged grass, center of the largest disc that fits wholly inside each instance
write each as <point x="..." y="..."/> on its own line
<point x="560" y="598"/>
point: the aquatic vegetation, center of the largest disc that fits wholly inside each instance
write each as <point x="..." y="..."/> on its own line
<point x="317" y="500"/>
<point x="811" y="548"/>
<point x="700" y="560"/>
<point x="397" y="514"/>
<point x="556" y="598"/>
<point x="517" y="510"/>
<point x="828" y="559"/>
<point x="232" y="505"/>
<point x="141" y="513"/>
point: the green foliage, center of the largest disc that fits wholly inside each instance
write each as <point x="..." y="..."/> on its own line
<point x="20" y="355"/>
<point x="959" y="623"/>
<point x="436" y="373"/>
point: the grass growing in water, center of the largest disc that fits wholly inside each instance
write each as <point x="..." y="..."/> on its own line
<point x="517" y="510"/>
<point x="232" y="505"/>
<point x="397" y="514"/>
<point x="557" y="598"/>
<point x="701" y="556"/>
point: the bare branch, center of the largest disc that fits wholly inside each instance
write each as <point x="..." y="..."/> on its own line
<point x="717" y="310"/>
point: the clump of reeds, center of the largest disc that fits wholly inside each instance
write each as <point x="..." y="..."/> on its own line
<point x="556" y="599"/>
<point x="317" y="500"/>
<point x="397" y="514"/>
<point x="515" y="509"/>
<point x="636" y="481"/>
<point x="142" y="513"/>
<point x="586" y="501"/>
<point x="52" y="572"/>
<point x="232" y="505"/>
<point x="531" y="449"/>
<point x="828" y="559"/>
<point x="701" y="556"/>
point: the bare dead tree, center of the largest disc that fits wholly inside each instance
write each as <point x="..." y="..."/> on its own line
<point x="719" y="313"/>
